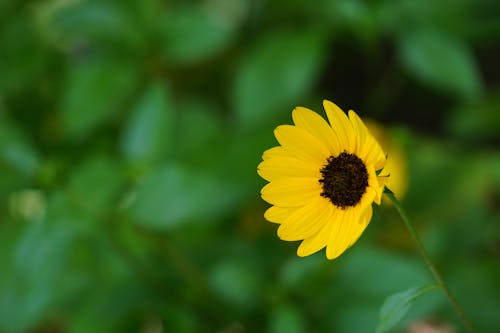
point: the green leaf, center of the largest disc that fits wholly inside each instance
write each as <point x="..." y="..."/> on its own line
<point x="36" y="273"/>
<point x="22" y="58"/>
<point x="94" y="185"/>
<point x="296" y="271"/>
<point x="200" y="130"/>
<point x="287" y="319"/>
<point x="191" y="35"/>
<point x="372" y="263"/>
<point x="476" y="121"/>
<point x="276" y="75"/>
<point x="441" y="61"/>
<point x="235" y="282"/>
<point x="397" y="305"/>
<point x="148" y="132"/>
<point x="118" y="298"/>
<point x="174" y="195"/>
<point x="16" y="151"/>
<point x="94" y="91"/>
<point x="94" y="22"/>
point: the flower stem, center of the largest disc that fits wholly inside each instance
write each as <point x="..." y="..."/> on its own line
<point x="428" y="261"/>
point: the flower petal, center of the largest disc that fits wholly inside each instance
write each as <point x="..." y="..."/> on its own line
<point x="335" y="247"/>
<point x="275" y="152"/>
<point x="318" y="127"/>
<point x="277" y="214"/>
<point x="345" y="233"/>
<point x="305" y="221"/>
<point x="374" y="184"/>
<point x="361" y="225"/>
<point x="367" y="147"/>
<point x="291" y="192"/>
<point x="287" y="167"/>
<point x="373" y="153"/>
<point x="319" y="240"/>
<point x="359" y="129"/>
<point x="301" y="144"/>
<point x="341" y="126"/>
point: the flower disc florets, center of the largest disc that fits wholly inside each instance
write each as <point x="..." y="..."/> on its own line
<point x="344" y="180"/>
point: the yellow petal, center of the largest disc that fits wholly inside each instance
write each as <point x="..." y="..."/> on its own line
<point x="346" y="232"/>
<point x="317" y="242"/>
<point x="278" y="214"/>
<point x="367" y="148"/>
<point x="360" y="130"/>
<point x="374" y="185"/>
<point x="275" y="152"/>
<point x="291" y="192"/>
<point x="341" y="126"/>
<point x="340" y="224"/>
<point x="305" y="221"/>
<point x="301" y="144"/>
<point x="287" y="167"/>
<point x="360" y="226"/>
<point x="367" y="198"/>
<point x="374" y="154"/>
<point x="318" y="127"/>
<point x="366" y="217"/>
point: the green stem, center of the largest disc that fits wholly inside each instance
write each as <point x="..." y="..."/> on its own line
<point x="428" y="261"/>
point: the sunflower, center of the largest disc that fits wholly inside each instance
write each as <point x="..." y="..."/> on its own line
<point x="323" y="179"/>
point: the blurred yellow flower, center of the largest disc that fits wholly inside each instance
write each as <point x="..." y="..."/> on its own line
<point x="323" y="179"/>
<point x="396" y="165"/>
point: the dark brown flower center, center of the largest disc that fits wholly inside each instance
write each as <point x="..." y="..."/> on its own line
<point x="344" y="180"/>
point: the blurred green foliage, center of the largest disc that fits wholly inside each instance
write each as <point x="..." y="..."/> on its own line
<point x="130" y="132"/>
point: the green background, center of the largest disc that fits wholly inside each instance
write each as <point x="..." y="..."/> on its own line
<point x="130" y="133"/>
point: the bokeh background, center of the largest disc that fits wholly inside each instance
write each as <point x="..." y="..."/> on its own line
<point x="130" y="132"/>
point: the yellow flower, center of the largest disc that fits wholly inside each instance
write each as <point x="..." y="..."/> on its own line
<point x="322" y="180"/>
